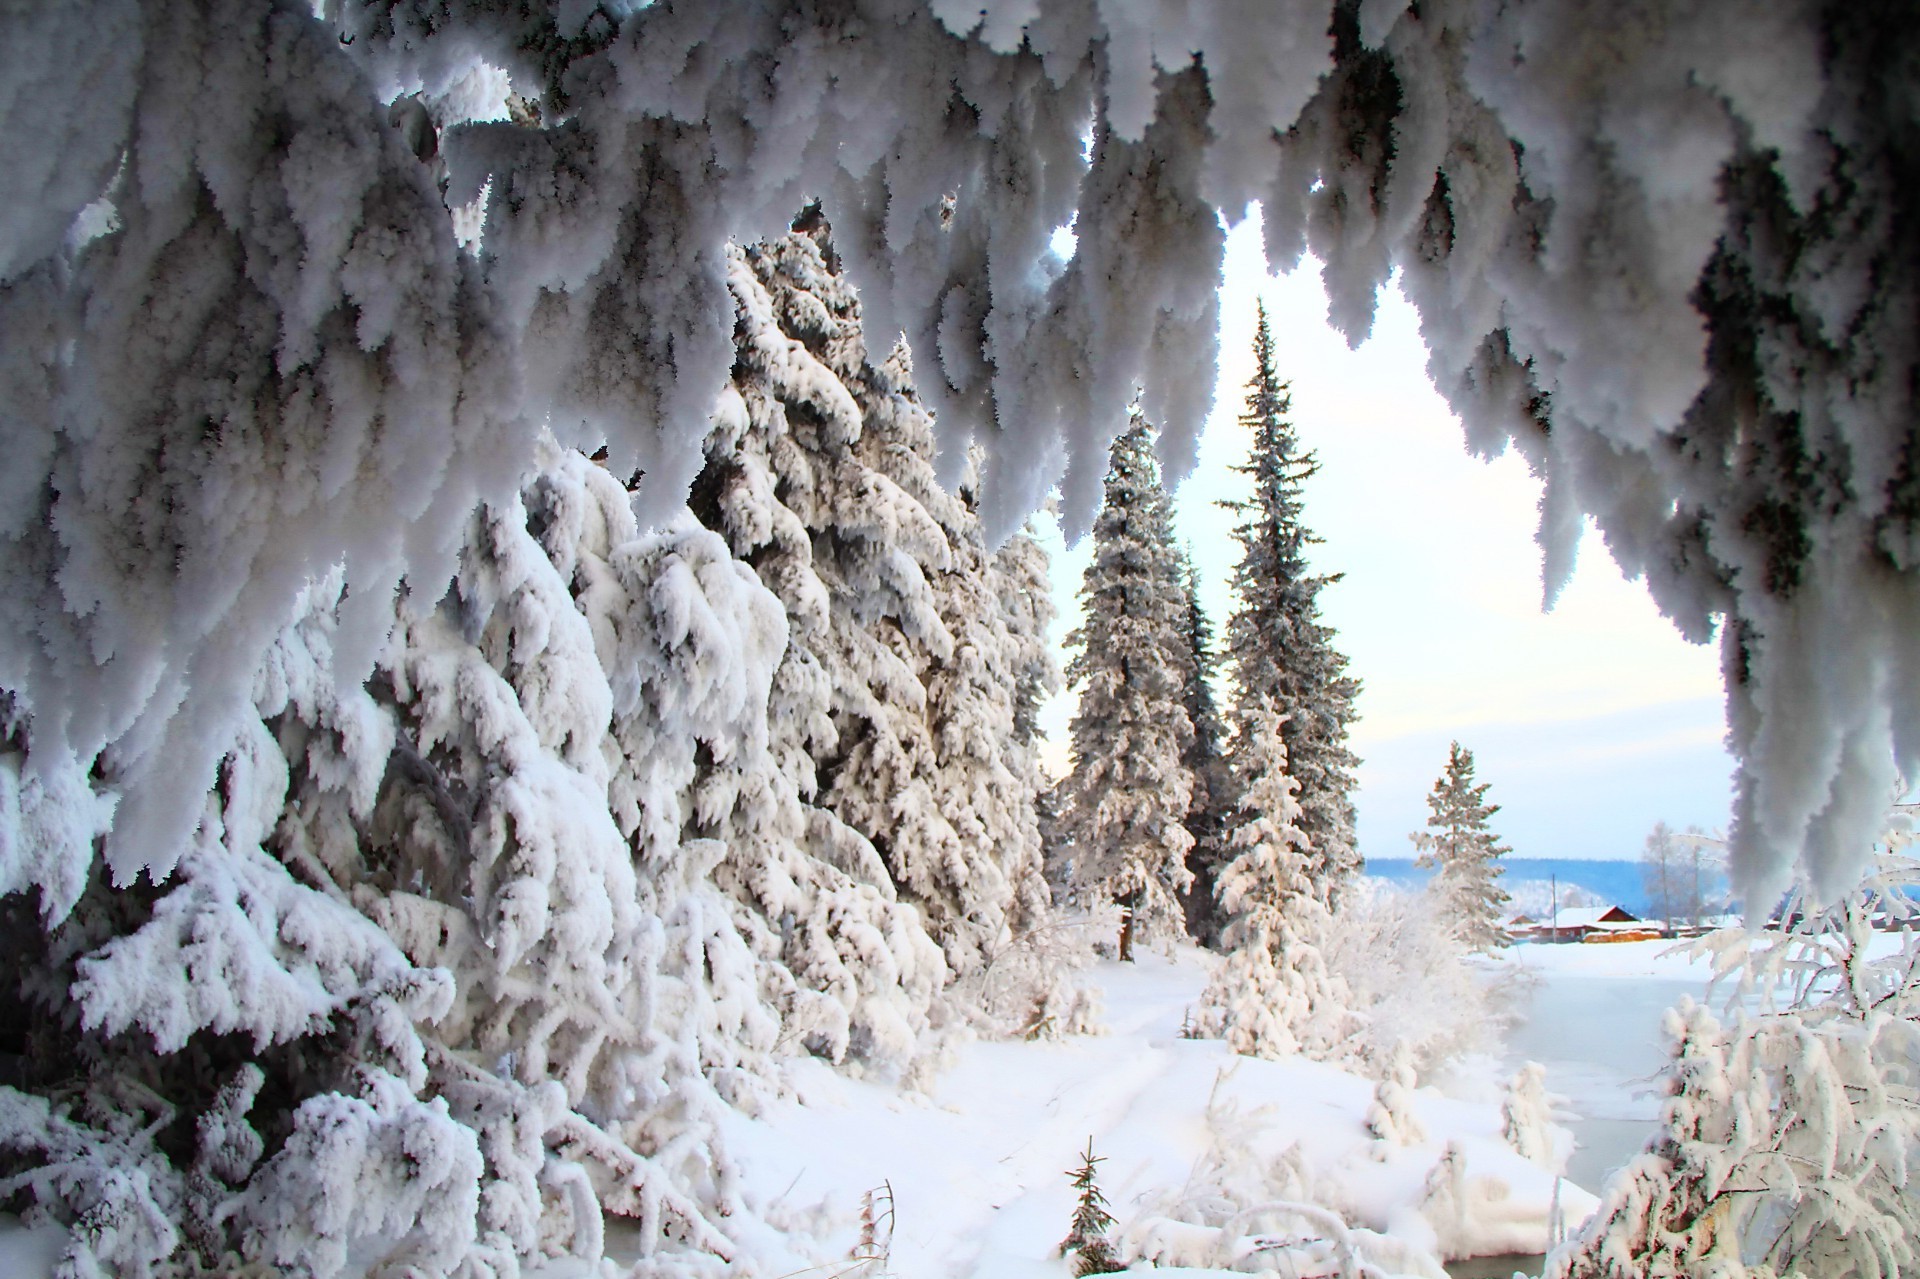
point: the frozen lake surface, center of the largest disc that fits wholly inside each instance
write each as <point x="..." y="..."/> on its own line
<point x="1593" y="1019"/>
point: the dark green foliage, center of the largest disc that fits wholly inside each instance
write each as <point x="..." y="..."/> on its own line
<point x="1210" y="806"/>
<point x="1276" y="642"/>
<point x="1091" y="1221"/>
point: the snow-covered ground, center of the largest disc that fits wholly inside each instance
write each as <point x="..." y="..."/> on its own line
<point x="977" y="1167"/>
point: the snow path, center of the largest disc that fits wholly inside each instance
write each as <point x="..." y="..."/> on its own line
<point x="978" y="1167"/>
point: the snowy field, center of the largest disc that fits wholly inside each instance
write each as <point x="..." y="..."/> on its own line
<point x="970" y="1178"/>
<point x="977" y="1168"/>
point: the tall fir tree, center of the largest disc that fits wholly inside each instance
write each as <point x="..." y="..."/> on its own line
<point x="1458" y="845"/>
<point x="1213" y="789"/>
<point x="1125" y="805"/>
<point x="897" y="709"/>
<point x="1276" y="643"/>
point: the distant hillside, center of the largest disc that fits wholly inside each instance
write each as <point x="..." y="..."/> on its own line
<point x="1530" y="880"/>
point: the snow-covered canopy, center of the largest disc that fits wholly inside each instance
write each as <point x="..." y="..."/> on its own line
<point x="1668" y="252"/>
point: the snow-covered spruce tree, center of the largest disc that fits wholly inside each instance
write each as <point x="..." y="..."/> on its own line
<point x="1086" y="1240"/>
<point x="908" y="692"/>
<point x="1123" y="813"/>
<point x="1208" y="810"/>
<point x="1788" y="1138"/>
<point x="1273" y="996"/>
<point x="1278" y="647"/>
<point x="1464" y="854"/>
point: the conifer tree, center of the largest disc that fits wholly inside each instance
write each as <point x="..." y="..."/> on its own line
<point x="1466" y="854"/>
<point x="1125" y="807"/>
<point x="1206" y="760"/>
<point x="915" y="653"/>
<point x="1087" y="1239"/>
<point x="1274" y="996"/>
<point x="1276" y="642"/>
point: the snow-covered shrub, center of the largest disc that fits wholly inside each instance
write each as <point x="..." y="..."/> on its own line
<point x="1390" y="1118"/>
<point x="1526" y="1117"/>
<point x="1241" y="1210"/>
<point x="1034" y="987"/>
<point x="1408" y="980"/>
<point x="1789" y="1138"/>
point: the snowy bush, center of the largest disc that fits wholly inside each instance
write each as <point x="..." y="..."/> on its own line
<point x="1789" y="1136"/>
<point x="1526" y="1118"/>
<point x="1409" y="982"/>
<point x="1391" y="1117"/>
<point x="1241" y="1210"/>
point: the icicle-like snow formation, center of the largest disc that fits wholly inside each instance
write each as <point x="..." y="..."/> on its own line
<point x="1670" y="259"/>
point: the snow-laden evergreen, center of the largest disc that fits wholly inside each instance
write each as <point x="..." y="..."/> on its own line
<point x="1464" y="854"/>
<point x="917" y="662"/>
<point x="1279" y="648"/>
<point x="1273" y="996"/>
<point x="467" y="958"/>
<point x="1124" y="805"/>
<point x="1787" y="1141"/>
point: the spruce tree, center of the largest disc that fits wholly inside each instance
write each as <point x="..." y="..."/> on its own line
<point x="1206" y="760"/>
<point x="1276" y="643"/>
<point x="1088" y="1236"/>
<point x="1125" y="805"/>
<point x="1466" y="854"/>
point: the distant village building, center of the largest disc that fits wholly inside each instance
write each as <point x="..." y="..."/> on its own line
<point x="1583" y="924"/>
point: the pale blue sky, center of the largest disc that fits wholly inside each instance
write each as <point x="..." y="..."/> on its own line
<point x="1591" y="722"/>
